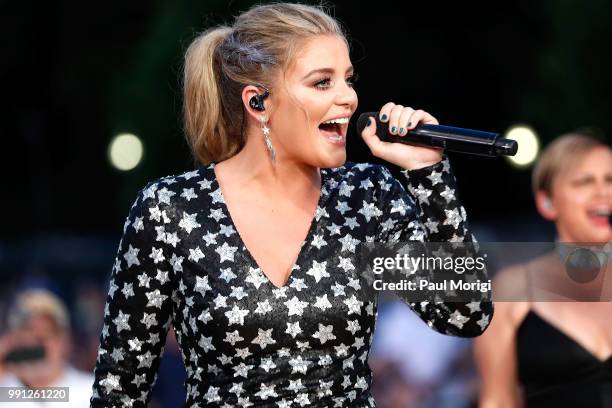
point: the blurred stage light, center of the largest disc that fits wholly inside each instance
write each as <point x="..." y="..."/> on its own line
<point x="125" y="151"/>
<point x="529" y="145"/>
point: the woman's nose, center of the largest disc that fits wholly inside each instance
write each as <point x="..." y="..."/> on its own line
<point x="603" y="189"/>
<point x="346" y="95"/>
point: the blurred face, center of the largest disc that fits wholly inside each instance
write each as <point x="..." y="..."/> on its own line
<point x="41" y="331"/>
<point x="316" y="89"/>
<point x="582" y="199"/>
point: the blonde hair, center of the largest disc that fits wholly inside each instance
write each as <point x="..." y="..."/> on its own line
<point x="563" y="153"/>
<point x="38" y="302"/>
<point x="221" y="61"/>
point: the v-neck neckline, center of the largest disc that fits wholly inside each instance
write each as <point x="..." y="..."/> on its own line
<point x="313" y="222"/>
<point x="571" y="339"/>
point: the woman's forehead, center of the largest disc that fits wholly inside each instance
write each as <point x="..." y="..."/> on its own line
<point x="328" y="51"/>
<point x="597" y="159"/>
<point x="600" y="156"/>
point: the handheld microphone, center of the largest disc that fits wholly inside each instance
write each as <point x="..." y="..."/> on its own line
<point x="453" y="139"/>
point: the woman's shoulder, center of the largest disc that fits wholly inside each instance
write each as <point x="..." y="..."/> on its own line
<point x="511" y="293"/>
<point x="361" y="171"/>
<point x="364" y="181"/>
<point x="178" y="189"/>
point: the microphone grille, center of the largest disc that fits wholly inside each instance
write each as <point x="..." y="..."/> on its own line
<point x="362" y="122"/>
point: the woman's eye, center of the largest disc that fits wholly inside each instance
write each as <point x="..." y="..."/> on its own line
<point x="322" y="84"/>
<point x="582" y="181"/>
<point x="352" y="80"/>
<point x="325" y="82"/>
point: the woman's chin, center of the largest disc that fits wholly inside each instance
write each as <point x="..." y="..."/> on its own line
<point x="580" y="230"/>
<point x="596" y="237"/>
<point x="602" y="234"/>
<point x="334" y="159"/>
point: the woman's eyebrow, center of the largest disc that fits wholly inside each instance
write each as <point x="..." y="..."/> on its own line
<point x="325" y="70"/>
<point x="583" y="177"/>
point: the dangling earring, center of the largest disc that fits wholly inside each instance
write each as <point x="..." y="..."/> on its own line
<point x="266" y="134"/>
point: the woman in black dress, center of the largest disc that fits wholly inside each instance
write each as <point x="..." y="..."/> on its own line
<point x="251" y="257"/>
<point x="551" y="342"/>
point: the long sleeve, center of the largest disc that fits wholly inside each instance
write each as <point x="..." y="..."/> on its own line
<point x="440" y="217"/>
<point x="138" y="308"/>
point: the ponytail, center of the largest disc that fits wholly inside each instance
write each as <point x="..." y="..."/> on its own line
<point x="205" y="127"/>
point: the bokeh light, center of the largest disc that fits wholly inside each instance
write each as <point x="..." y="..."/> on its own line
<point x="528" y="145"/>
<point x="125" y="151"/>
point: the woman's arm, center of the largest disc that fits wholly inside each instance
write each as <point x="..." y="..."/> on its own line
<point x="495" y="355"/>
<point x="138" y="308"/>
<point x="440" y="217"/>
<point x="434" y="215"/>
<point x="495" y="350"/>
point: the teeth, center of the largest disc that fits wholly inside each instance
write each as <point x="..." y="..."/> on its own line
<point x="338" y="121"/>
<point x="600" y="211"/>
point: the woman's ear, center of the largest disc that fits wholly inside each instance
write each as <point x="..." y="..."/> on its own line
<point x="254" y="101"/>
<point x="545" y="206"/>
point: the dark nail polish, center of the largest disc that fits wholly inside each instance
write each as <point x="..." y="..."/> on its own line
<point x="383" y="117"/>
<point x="401" y="131"/>
<point x="393" y="129"/>
<point x="409" y="124"/>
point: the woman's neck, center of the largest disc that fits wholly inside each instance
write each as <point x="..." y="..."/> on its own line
<point x="251" y="169"/>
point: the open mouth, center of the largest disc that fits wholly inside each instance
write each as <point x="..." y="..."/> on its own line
<point x="335" y="130"/>
<point x="599" y="216"/>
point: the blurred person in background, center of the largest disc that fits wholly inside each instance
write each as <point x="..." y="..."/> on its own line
<point x="432" y="371"/>
<point x="169" y="390"/>
<point x="34" y="352"/>
<point x="551" y="350"/>
<point x="87" y="323"/>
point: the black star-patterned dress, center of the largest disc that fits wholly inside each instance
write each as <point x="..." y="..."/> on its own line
<point x="244" y="341"/>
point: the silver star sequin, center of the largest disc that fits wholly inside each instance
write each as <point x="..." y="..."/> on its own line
<point x="295" y="306"/>
<point x="483" y="322"/>
<point x="121" y="322"/>
<point x="226" y="252"/>
<point x="164" y="195"/>
<point x="195" y="254"/>
<point x="233" y="337"/>
<point x="325" y="333"/>
<point x="111" y="383"/>
<point x="236" y="315"/>
<point x="299" y="365"/>
<point x="369" y="211"/>
<point x="293" y="329"/>
<point x="177" y="263"/>
<point x="264" y="338"/>
<point x="448" y="194"/>
<point x="145" y="360"/>
<point x="318" y="271"/>
<point x="155" y="298"/>
<point x="131" y="256"/>
<point x="452" y="218"/>
<point x="189" y="194"/>
<point x="322" y="302"/>
<point x="202" y="285"/>
<point x="256" y="277"/>
<point x="457" y="319"/>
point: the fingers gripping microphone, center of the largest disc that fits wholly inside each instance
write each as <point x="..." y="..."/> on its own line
<point x="453" y="139"/>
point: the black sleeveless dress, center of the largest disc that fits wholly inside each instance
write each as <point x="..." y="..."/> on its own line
<point x="556" y="371"/>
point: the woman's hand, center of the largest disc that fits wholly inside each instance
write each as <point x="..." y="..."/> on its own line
<point x="401" y="119"/>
